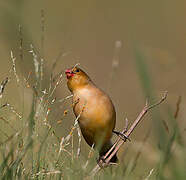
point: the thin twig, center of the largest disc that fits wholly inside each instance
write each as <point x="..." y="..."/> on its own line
<point x="56" y="85"/>
<point x="42" y="46"/>
<point x="52" y="77"/>
<point x="2" y="86"/>
<point x="14" y="66"/>
<point x="150" y="173"/>
<point x="136" y="122"/>
<point x="89" y="156"/>
<point x="20" y="43"/>
<point x="67" y="97"/>
<point x="104" y="162"/>
<point x="79" y="141"/>
<point x="35" y="59"/>
<point x="165" y="126"/>
<point x="177" y="107"/>
<point x="65" y="141"/>
<point x="115" y="62"/>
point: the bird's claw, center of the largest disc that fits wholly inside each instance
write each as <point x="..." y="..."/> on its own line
<point x="121" y="135"/>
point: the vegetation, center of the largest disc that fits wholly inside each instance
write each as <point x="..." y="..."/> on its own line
<point x="32" y="148"/>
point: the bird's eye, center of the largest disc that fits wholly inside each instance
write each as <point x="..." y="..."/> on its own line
<point x="77" y="70"/>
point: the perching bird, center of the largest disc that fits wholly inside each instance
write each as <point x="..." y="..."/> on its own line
<point x="97" y="116"/>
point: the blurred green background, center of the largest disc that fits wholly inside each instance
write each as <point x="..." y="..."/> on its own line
<point x="87" y="31"/>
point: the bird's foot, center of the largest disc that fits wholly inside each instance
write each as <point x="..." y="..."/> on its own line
<point x="121" y="135"/>
<point x="101" y="161"/>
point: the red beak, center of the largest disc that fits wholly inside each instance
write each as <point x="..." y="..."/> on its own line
<point x="69" y="73"/>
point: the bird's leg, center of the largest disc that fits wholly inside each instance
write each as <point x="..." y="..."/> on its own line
<point x="121" y="135"/>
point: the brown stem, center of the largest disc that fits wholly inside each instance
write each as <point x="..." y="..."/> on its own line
<point x="177" y="107"/>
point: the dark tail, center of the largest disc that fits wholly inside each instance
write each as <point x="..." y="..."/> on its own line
<point x="105" y="149"/>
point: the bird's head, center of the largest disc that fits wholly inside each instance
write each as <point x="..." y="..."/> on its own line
<point x="76" y="78"/>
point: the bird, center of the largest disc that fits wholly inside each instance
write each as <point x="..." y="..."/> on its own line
<point x="94" y="109"/>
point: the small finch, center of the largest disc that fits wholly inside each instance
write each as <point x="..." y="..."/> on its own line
<point x="97" y="116"/>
